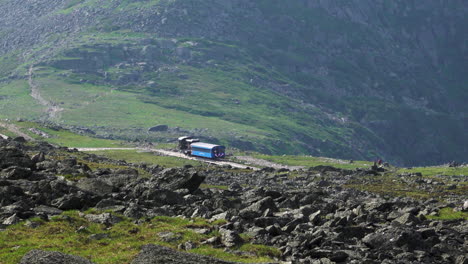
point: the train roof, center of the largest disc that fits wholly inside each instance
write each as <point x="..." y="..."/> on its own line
<point x="204" y="145"/>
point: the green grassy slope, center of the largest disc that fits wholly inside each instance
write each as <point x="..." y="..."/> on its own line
<point x="301" y="78"/>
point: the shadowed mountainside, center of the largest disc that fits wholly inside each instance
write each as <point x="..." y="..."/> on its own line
<point x="357" y="79"/>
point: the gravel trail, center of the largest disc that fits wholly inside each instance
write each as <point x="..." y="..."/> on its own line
<point x="176" y="154"/>
<point x="13" y="128"/>
<point x="53" y="110"/>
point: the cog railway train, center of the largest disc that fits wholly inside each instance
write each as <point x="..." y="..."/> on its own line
<point x="193" y="147"/>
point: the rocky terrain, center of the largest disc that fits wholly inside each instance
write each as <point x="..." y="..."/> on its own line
<point x="309" y="215"/>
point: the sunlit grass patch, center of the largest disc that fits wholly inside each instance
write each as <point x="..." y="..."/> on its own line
<point x="209" y="186"/>
<point x="261" y="250"/>
<point x="67" y="138"/>
<point x="448" y="214"/>
<point x="436" y="170"/>
<point x="71" y="233"/>
<point x="135" y="156"/>
<point x="309" y="161"/>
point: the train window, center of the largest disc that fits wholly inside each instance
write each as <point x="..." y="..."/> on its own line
<point x="200" y="149"/>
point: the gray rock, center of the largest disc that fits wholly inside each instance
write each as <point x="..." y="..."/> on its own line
<point x="257" y="209"/>
<point x="47" y="210"/>
<point x="95" y="186"/>
<point x="316" y="217"/>
<point x="119" y="180"/>
<point x="161" y="196"/>
<point x="99" y="236"/>
<point x="273" y="230"/>
<point x="14" y="157"/>
<point x="153" y="254"/>
<point x="169" y="236"/>
<point x="215" y="241"/>
<point x="51" y="257"/>
<point x="230" y="238"/>
<point x="68" y="202"/>
<point x="15" y="173"/>
<point x="427" y="232"/>
<point x="19" y="139"/>
<point x="104" y="218"/>
<point x="339" y="256"/>
<point x="14" y="219"/>
<point x="462" y="259"/>
<point x="235" y="187"/>
<point x="46" y="165"/>
<point x="39" y="157"/>
<point x="386" y="239"/>
<point x="32" y="224"/>
<point x="189" y="245"/>
<point x="133" y="211"/>
<point x="107" y="203"/>
<point x="175" y="179"/>
<point x="348" y="233"/>
<point x="408" y="219"/>
<point x="69" y="162"/>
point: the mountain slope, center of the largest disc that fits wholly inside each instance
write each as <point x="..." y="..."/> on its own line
<point x="358" y="79"/>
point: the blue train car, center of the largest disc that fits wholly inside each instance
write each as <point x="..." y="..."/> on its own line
<point x="206" y="150"/>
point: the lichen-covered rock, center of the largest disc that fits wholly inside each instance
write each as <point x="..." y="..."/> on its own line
<point x="153" y="254"/>
<point x="176" y="178"/>
<point x="51" y="257"/>
<point x="15" y="173"/>
<point x="14" y="157"/>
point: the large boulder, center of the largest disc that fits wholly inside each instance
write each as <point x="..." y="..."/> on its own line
<point x="51" y="257"/>
<point x="39" y="157"/>
<point x="95" y="186"/>
<point x="15" y="173"/>
<point x="389" y="238"/>
<point x="47" y="210"/>
<point x="408" y="219"/>
<point x="68" y="202"/>
<point x="161" y="196"/>
<point x="14" y="219"/>
<point x="230" y="238"/>
<point x="257" y="209"/>
<point x="9" y="194"/>
<point x="75" y="200"/>
<point x="14" y="157"/>
<point x="176" y="179"/>
<point x="153" y="254"/>
<point x="118" y="178"/>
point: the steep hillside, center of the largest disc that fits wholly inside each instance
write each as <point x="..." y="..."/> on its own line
<point x="357" y="79"/>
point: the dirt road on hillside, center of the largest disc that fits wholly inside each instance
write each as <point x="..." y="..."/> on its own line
<point x="176" y="154"/>
<point x="252" y="163"/>
<point x="52" y="109"/>
<point x="15" y="129"/>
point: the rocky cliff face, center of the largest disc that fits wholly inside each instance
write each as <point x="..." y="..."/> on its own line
<point x="390" y="76"/>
